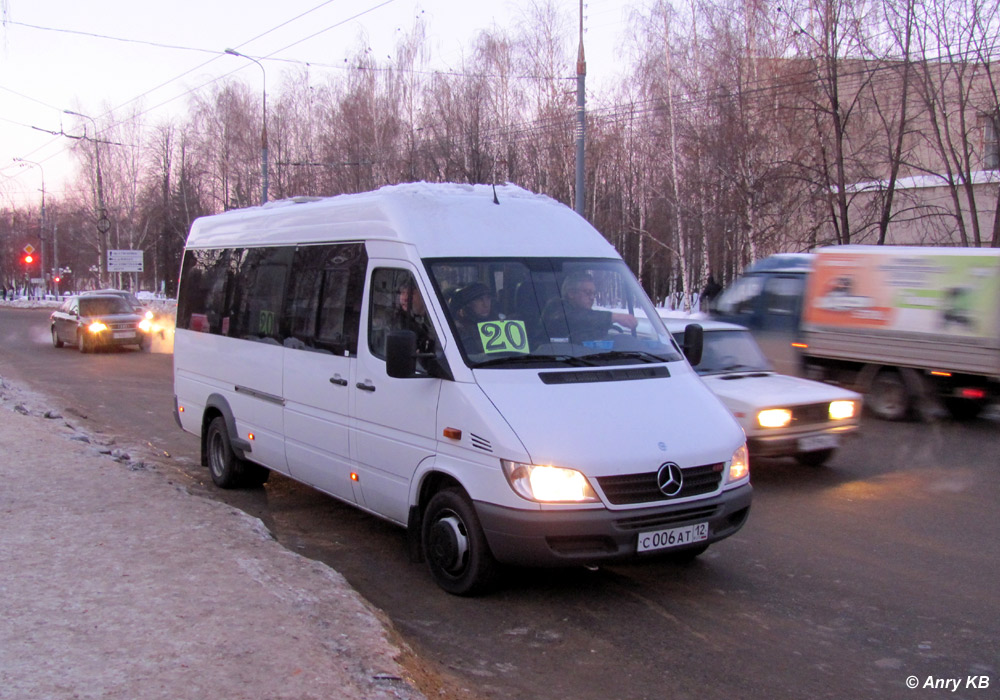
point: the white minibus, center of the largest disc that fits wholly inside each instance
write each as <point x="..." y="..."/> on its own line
<point x="476" y="364"/>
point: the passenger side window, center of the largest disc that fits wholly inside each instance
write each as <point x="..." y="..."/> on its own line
<point x="257" y="303"/>
<point x="324" y="309"/>
<point x="397" y="303"/>
<point x="202" y="304"/>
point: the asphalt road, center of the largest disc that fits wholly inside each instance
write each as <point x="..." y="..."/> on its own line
<point x="847" y="581"/>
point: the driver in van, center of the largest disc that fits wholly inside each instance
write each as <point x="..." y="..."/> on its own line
<point x="579" y="292"/>
<point x="472" y="305"/>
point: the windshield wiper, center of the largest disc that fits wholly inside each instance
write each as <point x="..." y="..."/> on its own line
<point x="531" y="360"/>
<point x="626" y="355"/>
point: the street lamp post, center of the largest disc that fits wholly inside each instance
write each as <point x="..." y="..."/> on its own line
<point x="102" y="217"/>
<point x="41" y="236"/>
<point x="263" y="131"/>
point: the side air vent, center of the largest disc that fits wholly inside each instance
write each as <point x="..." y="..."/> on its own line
<point x="480" y="443"/>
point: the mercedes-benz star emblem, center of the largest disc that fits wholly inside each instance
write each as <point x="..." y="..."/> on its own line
<point x="670" y="479"/>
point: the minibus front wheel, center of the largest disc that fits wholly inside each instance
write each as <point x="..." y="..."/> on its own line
<point x="454" y="545"/>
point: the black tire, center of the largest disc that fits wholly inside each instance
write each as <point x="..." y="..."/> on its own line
<point x="223" y="464"/>
<point x="81" y="342"/>
<point x="816" y="458"/>
<point x="686" y="556"/>
<point x="889" y="397"/>
<point x="55" y="339"/>
<point x="458" y="556"/>
<point x="964" y="409"/>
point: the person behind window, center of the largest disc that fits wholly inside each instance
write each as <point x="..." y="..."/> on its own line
<point x="472" y="305"/>
<point x="579" y="292"/>
<point x="410" y="314"/>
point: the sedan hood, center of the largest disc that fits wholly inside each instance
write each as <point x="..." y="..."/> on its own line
<point x="755" y="390"/>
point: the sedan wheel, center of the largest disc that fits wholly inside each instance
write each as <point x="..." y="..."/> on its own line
<point x="55" y="338"/>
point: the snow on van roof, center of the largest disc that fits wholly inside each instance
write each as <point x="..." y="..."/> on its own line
<point x="441" y="219"/>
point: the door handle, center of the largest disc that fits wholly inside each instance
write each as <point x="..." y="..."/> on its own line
<point x="365" y="386"/>
<point x="338" y="380"/>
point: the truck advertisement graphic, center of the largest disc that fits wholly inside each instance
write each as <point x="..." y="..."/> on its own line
<point x="946" y="294"/>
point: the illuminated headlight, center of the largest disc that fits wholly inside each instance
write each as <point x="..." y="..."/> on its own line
<point x="739" y="467"/>
<point x="148" y="316"/>
<point x="548" y="484"/>
<point x="839" y="410"/>
<point x="97" y="327"/>
<point x="145" y="325"/>
<point x="774" y="418"/>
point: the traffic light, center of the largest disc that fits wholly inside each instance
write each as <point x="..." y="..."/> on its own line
<point x="28" y="258"/>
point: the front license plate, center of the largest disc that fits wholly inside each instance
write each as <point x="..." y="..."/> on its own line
<point x="818" y="442"/>
<point x="124" y="334"/>
<point x="674" y="537"/>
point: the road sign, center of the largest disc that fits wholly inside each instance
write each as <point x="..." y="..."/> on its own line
<point x="124" y="261"/>
<point x="28" y="249"/>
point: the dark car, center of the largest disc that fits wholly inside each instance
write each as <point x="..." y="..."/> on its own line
<point x="94" y="321"/>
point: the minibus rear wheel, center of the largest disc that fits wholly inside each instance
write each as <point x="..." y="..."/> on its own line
<point x="455" y="547"/>
<point x="223" y="464"/>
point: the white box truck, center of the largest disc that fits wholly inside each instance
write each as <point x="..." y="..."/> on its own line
<point x="909" y="326"/>
<point x="475" y="364"/>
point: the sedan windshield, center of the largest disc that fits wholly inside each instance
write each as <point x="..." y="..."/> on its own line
<point x="731" y="351"/>
<point x="508" y="313"/>
<point x="103" y="306"/>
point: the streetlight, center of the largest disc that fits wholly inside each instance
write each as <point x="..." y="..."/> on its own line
<point x="41" y="236"/>
<point x="263" y="131"/>
<point x="103" y="225"/>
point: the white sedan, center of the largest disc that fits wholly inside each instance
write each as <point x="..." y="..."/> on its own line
<point x="782" y="416"/>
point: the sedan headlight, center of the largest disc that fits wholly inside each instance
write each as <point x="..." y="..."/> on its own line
<point x="145" y="325"/>
<point x="97" y="327"/>
<point x="739" y="466"/>
<point x="841" y="410"/>
<point x="774" y="418"/>
<point x="547" y="484"/>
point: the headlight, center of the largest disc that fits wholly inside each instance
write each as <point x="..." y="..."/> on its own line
<point x="145" y="325"/>
<point x="774" y="418"/>
<point x="739" y="467"/>
<point x="97" y="327"/>
<point x="548" y="484"/>
<point x="839" y="410"/>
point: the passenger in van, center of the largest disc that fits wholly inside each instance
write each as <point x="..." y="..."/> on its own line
<point x="472" y="305"/>
<point x="579" y="292"/>
<point x="410" y="314"/>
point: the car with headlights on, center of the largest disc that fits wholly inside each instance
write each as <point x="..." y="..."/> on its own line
<point x="782" y="415"/>
<point x="94" y="321"/>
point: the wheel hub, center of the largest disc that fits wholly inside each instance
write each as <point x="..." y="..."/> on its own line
<point x="448" y="544"/>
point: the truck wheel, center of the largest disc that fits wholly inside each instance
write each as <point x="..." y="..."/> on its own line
<point x="889" y="398"/>
<point x="963" y="409"/>
<point x="816" y="458"/>
<point x="226" y="468"/>
<point x="458" y="555"/>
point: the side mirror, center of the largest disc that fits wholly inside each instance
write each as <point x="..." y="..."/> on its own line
<point x="694" y="343"/>
<point x="401" y="354"/>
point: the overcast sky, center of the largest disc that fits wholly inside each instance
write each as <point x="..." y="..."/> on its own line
<point x="92" y="55"/>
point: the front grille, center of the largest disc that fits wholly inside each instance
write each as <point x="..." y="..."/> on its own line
<point x="674" y="517"/>
<point x="642" y="488"/>
<point x="811" y="413"/>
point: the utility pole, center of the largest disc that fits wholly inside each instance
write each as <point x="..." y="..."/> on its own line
<point x="103" y="224"/>
<point x="581" y="120"/>
<point x="263" y="131"/>
<point x="41" y="231"/>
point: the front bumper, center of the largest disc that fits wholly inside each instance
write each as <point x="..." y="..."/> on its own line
<point x="790" y="444"/>
<point x="577" y="537"/>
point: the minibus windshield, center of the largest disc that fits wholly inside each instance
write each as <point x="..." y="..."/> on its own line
<point x="517" y="312"/>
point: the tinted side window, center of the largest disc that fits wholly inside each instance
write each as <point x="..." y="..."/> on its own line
<point x="324" y="307"/>
<point x="255" y="310"/>
<point x="202" y="302"/>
